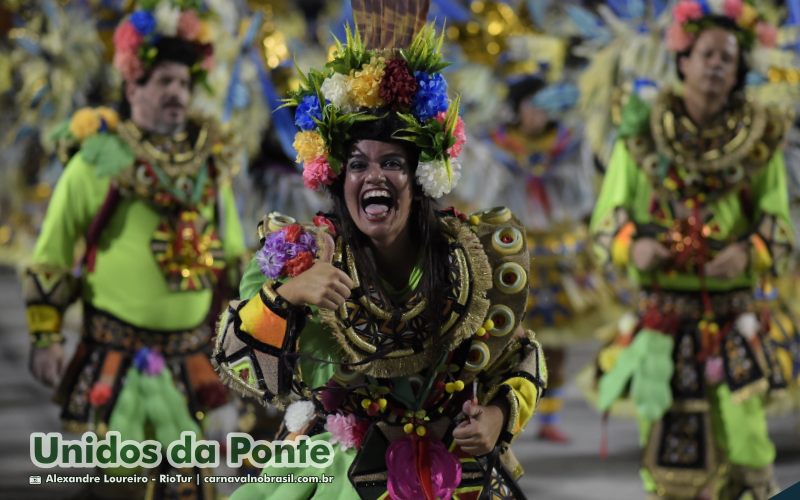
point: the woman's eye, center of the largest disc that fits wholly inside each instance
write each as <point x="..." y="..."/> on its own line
<point x="393" y="164"/>
<point x="357" y="165"/>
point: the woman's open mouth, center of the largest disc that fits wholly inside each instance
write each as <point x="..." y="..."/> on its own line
<point x="377" y="203"/>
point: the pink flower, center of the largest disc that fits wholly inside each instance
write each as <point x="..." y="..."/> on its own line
<point x="343" y="430"/>
<point x="714" y="370"/>
<point x="189" y="25"/>
<point x="678" y="39"/>
<point x="129" y="65"/>
<point x="767" y="34"/>
<point x="208" y="63"/>
<point x="126" y="38"/>
<point x="687" y="10"/>
<point x="155" y="363"/>
<point x="317" y="172"/>
<point x="733" y="8"/>
<point x="403" y="458"/>
<point x="460" y="135"/>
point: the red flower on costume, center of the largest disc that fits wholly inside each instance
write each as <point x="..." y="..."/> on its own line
<point x="292" y="232"/>
<point x="321" y="220"/>
<point x="297" y="265"/>
<point x="99" y="394"/>
<point x="398" y="85"/>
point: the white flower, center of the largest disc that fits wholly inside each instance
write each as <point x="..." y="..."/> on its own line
<point x="747" y="325"/>
<point x="298" y="415"/>
<point x="334" y="89"/>
<point x="435" y="178"/>
<point x="167" y="19"/>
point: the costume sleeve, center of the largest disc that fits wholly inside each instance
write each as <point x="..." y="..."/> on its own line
<point x="519" y="376"/>
<point x="257" y="348"/>
<point x="773" y="235"/>
<point x="611" y="226"/>
<point x="233" y="235"/>
<point x="48" y="285"/>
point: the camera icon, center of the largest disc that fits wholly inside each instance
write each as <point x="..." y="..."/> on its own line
<point x="35" y="480"/>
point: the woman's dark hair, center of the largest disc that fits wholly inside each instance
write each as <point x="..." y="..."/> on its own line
<point x="523" y="89"/>
<point x="726" y="24"/>
<point x="169" y="49"/>
<point x="425" y="225"/>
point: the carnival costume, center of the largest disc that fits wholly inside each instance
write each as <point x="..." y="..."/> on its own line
<point x="160" y="225"/>
<point x="698" y="362"/>
<point x="387" y="390"/>
<point x="553" y="193"/>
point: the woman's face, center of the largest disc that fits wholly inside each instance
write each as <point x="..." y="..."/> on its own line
<point x="377" y="189"/>
<point x="712" y="66"/>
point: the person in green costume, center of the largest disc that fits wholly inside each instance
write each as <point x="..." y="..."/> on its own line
<point x="395" y="324"/>
<point x="149" y="193"/>
<point x="694" y="204"/>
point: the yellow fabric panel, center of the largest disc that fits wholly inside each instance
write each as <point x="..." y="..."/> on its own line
<point x="527" y="395"/>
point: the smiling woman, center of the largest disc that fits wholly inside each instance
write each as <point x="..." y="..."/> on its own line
<point x="401" y="336"/>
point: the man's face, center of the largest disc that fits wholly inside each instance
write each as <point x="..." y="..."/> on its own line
<point x="160" y="103"/>
<point x="532" y="120"/>
<point x="712" y="65"/>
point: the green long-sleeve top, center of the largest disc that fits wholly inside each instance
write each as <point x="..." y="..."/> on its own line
<point x="126" y="280"/>
<point x="732" y="209"/>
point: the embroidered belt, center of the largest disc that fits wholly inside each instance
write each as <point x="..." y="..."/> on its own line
<point x="104" y="328"/>
<point x="689" y="305"/>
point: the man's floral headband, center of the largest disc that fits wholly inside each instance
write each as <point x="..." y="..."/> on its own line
<point x="360" y="85"/>
<point x="690" y="17"/>
<point x="136" y="36"/>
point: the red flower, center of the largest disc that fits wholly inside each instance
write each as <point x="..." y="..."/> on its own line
<point x="211" y="395"/>
<point x="297" y="265"/>
<point x="321" y="220"/>
<point x="293" y="232"/>
<point x="359" y="431"/>
<point x="398" y="85"/>
<point x="99" y="394"/>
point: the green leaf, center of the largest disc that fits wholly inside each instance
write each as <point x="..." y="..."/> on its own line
<point x="61" y="131"/>
<point x="108" y="153"/>
<point x="635" y="117"/>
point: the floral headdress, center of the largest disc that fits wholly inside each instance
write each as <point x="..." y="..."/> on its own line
<point x="690" y="17"/>
<point x="136" y="37"/>
<point x="362" y="84"/>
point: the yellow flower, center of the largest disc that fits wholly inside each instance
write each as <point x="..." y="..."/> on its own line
<point x="365" y="84"/>
<point x="204" y="34"/>
<point x="109" y="116"/>
<point x="748" y="17"/>
<point x="309" y="145"/>
<point x="84" y="123"/>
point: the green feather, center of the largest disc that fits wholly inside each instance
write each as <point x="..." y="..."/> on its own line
<point x="108" y="153"/>
<point x="635" y="117"/>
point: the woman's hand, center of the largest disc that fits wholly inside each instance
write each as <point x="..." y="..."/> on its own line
<point x="321" y="285"/>
<point x="648" y="254"/>
<point x="729" y="263"/>
<point x="47" y="364"/>
<point x="479" y="433"/>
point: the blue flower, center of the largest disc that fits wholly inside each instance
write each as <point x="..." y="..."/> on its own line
<point x="140" y="358"/>
<point x="308" y="109"/>
<point x="431" y="96"/>
<point x="144" y="22"/>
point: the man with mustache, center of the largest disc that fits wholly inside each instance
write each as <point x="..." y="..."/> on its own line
<point x="695" y="205"/>
<point x="149" y="193"/>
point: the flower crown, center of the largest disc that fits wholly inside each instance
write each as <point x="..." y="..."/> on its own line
<point x="690" y="17"/>
<point x="361" y="85"/>
<point x="136" y="36"/>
